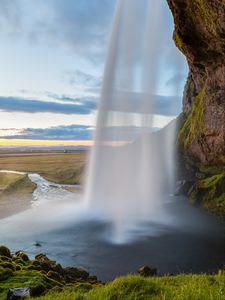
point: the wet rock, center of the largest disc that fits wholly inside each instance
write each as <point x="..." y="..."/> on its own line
<point x="93" y="278"/>
<point x="73" y="274"/>
<point x="19" y="293"/>
<point x="183" y="187"/>
<point x="23" y="256"/>
<point x="37" y="244"/>
<point x="147" y="271"/>
<point x="55" y="276"/>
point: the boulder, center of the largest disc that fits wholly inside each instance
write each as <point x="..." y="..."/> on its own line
<point x="19" y="293"/>
<point x="4" y="251"/>
<point x="147" y="271"/>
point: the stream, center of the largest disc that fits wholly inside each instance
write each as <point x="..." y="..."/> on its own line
<point x="46" y="190"/>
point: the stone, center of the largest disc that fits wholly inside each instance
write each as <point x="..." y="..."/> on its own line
<point x="19" y="293"/>
<point x="200" y="35"/>
<point x="73" y="274"/>
<point x="183" y="187"/>
<point x="4" y="251"/>
<point x="147" y="271"/>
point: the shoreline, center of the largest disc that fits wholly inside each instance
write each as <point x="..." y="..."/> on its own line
<point x="44" y="277"/>
<point x="12" y="205"/>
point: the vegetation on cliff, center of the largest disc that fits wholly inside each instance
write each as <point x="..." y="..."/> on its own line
<point x="199" y="34"/>
<point x="210" y="192"/>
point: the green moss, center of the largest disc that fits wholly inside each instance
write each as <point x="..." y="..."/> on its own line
<point x="37" y="282"/>
<point x="21" y="256"/>
<point x="205" y="13"/>
<point x="4" y="251"/>
<point x="210" y="192"/>
<point x="193" y="124"/>
<point x="5" y="273"/>
<point x="193" y="13"/>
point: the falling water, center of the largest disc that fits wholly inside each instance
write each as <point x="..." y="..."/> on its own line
<point x="131" y="167"/>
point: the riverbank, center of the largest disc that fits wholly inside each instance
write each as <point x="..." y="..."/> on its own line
<point x="15" y="193"/>
<point x="45" y="279"/>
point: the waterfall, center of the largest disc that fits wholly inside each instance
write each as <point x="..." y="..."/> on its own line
<point x="131" y="166"/>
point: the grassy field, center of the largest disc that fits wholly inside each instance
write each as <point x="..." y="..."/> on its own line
<point x="55" y="167"/>
<point x="130" y="287"/>
<point x="15" y="193"/>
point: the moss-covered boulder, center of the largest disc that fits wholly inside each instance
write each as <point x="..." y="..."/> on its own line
<point x="4" y="251"/>
<point x="39" y="275"/>
<point x="210" y="192"/>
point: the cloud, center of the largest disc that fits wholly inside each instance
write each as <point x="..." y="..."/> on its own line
<point x="122" y="102"/>
<point x="82" y="26"/>
<point x="157" y="104"/>
<point x="10" y="18"/>
<point x="82" y="106"/>
<point x="71" y="132"/>
<point x="82" y="79"/>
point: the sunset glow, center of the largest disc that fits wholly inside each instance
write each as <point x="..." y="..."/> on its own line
<point x="18" y="142"/>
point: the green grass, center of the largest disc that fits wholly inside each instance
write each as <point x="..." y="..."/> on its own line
<point x="35" y="280"/>
<point x="130" y="287"/>
<point x="17" y="271"/>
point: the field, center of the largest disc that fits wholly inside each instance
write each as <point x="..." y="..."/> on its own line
<point x="16" y="190"/>
<point x="57" y="167"/>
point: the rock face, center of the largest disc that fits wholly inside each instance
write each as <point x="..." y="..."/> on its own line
<point x="200" y="34"/>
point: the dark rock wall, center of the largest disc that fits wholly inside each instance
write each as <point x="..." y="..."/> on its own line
<point x="200" y="34"/>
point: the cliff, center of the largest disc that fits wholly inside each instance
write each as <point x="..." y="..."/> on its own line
<point x="200" y="35"/>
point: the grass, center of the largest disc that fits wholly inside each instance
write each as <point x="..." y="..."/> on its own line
<point x="35" y="280"/>
<point x="15" y="183"/>
<point x="55" y="167"/>
<point x="15" y="193"/>
<point x="17" y="271"/>
<point x="131" y="287"/>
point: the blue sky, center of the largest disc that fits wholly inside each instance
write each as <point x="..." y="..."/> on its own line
<point x="52" y="59"/>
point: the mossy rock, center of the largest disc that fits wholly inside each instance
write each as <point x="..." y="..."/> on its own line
<point x="22" y="256"/>
<point x="210" y="192"/>
<point x="193" y="123"/>
<point x="8" y="265"/>
<point x="4" y="251"/>
<point x="55" y="276"/>
<point x="37" y="282"/>
<point x="5" y="273"/>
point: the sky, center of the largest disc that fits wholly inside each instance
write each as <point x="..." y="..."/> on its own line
<point x="52" y="60"/>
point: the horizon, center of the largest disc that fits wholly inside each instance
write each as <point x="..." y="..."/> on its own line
<point x="52" y="75"/>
